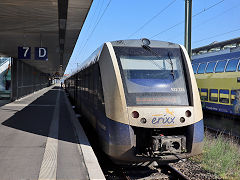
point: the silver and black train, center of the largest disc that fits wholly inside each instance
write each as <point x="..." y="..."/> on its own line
<point x="142" y="100"/>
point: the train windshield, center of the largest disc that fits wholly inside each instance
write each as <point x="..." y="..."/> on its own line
<point x="152" y="79"/>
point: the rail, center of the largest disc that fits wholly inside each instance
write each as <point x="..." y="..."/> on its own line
<point x="176" y="174"/>
<point x="159" y="172"/>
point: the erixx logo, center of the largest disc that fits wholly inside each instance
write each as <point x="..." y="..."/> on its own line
<point x="165" y="118"/>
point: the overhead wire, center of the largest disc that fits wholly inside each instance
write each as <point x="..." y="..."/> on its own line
<point x="210" y="19"/>
<point x="91" y="23"/>
<point x="72" y="65"/>
<point x="152" y="18"/>
<point x="210" y="7"/>
<point x="221" y="34"/>
<point x="181" y="22"/>
<point x="218" y="15"/>
<point x="91" y="33"/>
<point x="100" y="11"/>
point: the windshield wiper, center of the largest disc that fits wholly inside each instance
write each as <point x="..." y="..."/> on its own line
<point x="172" y="72"/>
<point x="148" y="48"/>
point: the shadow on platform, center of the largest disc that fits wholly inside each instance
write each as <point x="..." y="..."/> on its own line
<point x="36" y="118"/>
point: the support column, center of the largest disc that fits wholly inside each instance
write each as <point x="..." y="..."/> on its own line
<point x="188" y="26"/>
<point x="14" y="79"/>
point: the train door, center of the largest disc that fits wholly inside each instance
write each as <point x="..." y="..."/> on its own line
<point x="235" y="100"/>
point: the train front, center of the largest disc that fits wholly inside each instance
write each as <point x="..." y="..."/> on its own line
<point x="153" y="104"/>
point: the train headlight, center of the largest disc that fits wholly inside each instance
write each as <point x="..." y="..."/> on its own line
<point x="188" y="113"/>
<point x="143" y="120"/>
<point x="182" y="119"/>
<point x="135" y="114"/>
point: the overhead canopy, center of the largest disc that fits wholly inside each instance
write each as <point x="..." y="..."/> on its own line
<point x="52" y="24"/>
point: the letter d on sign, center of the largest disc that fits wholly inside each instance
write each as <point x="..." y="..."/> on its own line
<point x="41" y="53"/>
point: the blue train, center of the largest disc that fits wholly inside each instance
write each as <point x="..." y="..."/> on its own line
<point x="218" y="79"/>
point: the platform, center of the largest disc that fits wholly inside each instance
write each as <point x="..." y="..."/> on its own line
<point x="40" y="138"/>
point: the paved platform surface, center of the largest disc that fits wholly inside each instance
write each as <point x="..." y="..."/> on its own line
<point x="40" y="138"/>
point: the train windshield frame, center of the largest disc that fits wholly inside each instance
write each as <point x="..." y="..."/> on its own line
<point x="153" y="79"/>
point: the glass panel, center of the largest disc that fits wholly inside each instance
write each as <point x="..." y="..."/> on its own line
<point x="150" y="74"/>
<point x="233" y="94"/>
<point x="201" y="68"/>
<point x="213" y="95"/>
<point x="210" y="67"/>
<point x="195" y="66"/>
<point x="220" y="66"/>
<point x="235" y="101"/>
<point x="224" y="96"/>
<point x="152" y="77"/>
<point x="204" y="94"/>
<point x="232" y="65"/>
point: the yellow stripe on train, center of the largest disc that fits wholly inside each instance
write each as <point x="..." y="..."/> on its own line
<point x="203" y="93"/>
<point x="226" y="96"/>
<point x="214" y="95"/>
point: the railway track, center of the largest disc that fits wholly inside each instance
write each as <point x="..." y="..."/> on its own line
<point x="146" y="173"/>
<point x="177" y="174"/>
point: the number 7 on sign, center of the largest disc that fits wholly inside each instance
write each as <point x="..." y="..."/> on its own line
<point x="24" y="52"/>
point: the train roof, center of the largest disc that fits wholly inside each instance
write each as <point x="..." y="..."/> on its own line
<point x="217" y="51"/>
<point x="139" y="42"/>
<point x="122" y="43"/>
<point x="217" y="46"/>
<point x="224" y="54"/>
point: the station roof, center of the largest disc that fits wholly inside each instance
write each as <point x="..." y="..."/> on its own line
<point x="218" y="45"/>
<point x="53" y="24"/>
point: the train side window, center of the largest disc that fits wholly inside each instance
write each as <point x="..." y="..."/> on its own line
<point x="224" y="96"/>
<point x="210" y="67"/>
<point x="233" y="94"/>
<point x="195" y="67"/>
<point x="204" y="94"/>
<point x="213" y="95"/>
<point x="220" y="66"/>
<point x="201" y="68"/>
<point x="81" y="83"/>
<point x="239" y="67"/>
<point x="232" y="65"/>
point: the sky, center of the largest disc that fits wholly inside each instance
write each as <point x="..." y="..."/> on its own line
<point x="110" y="20"/>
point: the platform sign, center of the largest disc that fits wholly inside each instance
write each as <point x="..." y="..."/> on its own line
<point x="41" y="53"/>
<point x="24" y="52"/>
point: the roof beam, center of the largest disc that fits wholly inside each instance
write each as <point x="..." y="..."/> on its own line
<point x="62" y="21"/>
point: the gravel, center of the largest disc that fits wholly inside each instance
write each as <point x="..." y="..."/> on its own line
<point x="189" y="168"/>
<point x="194" y="171"/>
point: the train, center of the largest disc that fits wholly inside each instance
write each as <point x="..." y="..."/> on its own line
<point x="218" y="78"/>
<point x="141" y="99"/>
